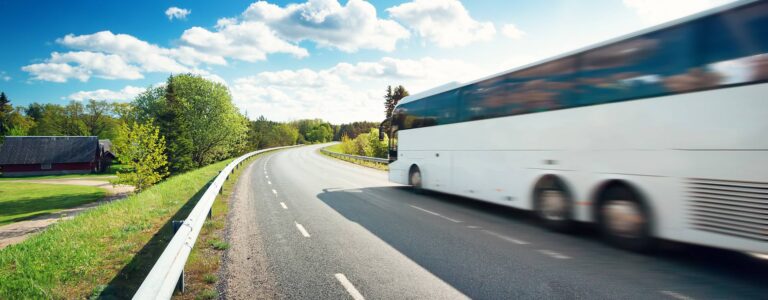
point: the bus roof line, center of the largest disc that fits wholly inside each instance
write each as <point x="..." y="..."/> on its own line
<point x="457" y="85"/>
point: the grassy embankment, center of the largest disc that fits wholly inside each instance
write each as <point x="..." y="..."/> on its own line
<point x="204" y="261"/>
<point x="337" y="148"/>
<point x="20" y="201"/>
<point x="105" y="251"/>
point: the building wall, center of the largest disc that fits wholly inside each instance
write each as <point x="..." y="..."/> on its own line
<point x="35" y="169"/>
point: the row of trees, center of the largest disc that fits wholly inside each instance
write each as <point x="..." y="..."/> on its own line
<point x="187" y="123"/>
<point x="93" y="118"/>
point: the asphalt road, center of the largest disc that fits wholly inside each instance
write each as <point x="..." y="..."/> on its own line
<point x="305" y="226"/>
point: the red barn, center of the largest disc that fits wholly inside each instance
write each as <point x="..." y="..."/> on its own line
<point x="45" y="155"/>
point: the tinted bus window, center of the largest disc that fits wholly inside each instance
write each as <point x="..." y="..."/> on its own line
<point x="412" y="114"/>
<point x="540" y="88"/>
<point x="644" y="66"/>
<point x="735" y="46"/>
<point x="441" y="108"/>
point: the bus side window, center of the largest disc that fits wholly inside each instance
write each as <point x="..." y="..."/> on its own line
<point x="734" y="46"/>
<point x="638" y="67"/>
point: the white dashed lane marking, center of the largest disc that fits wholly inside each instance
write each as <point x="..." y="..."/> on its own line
<point x="302" y="230"/>
<point x="676" y="295"/>
<point x="506" y="238"/>
<point x="274" y="192"/>
<point x="349" y="287"/>
<point x="553" y="254"/>
<point x="283" y="205"/>
<point x="435" y="214"/>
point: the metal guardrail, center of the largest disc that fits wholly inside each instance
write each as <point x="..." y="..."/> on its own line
<point x="162" y="280"/>
<point x="363" y="158"/>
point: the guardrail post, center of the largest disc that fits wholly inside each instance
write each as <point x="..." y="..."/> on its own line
<point x="176" y="224"/>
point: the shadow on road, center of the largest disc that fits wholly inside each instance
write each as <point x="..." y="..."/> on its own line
<point x="482" y="273"/>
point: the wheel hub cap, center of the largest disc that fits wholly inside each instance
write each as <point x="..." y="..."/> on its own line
<point x="553" y="205"/>
<point x="416" y="179"/>
<point x="624" y="218"/>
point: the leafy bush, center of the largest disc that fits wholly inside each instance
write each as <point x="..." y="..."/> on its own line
<point x="366" y="144"/>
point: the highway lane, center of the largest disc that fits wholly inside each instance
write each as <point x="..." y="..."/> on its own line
<point x="307" y="226"/>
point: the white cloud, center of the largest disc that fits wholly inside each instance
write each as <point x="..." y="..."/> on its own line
<point x="4" y="76"/>
<point x="511" y="31"/>
<point x="82" y="65"/>
<point x="125" y="94"/>
<point x="247" y="41"/>
<point x="177" y="13"/>
<point x="117" y="56"/>
<point x="150" y="57"/>
<point x="659" y="11"/>
<point x="349" y="27"/>
<point x="343" y="93"/>
<point x="444" y="22"/>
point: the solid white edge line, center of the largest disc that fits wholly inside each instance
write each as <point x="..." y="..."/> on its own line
<point x="349" y="287"/>
<point x="506" y="238"/>
<point x="554" y="254"/>
<point x="283" y="205"/>
<point x="302" y="230"/>
<point x="676" y="295"/>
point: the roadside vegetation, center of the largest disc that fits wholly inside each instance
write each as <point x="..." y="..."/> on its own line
<point x="106" y="251"/>
<point x="202" y="269"/>
<point x="20" y="201"/>
<point x="366" y="144"/>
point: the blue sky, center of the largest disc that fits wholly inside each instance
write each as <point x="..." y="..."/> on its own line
<point x="296" y="59"/>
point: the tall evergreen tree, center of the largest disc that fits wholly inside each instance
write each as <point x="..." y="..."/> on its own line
<point x="5" y="111"/>
<point x="391" y="98"/>
<point x="178" y="144"/>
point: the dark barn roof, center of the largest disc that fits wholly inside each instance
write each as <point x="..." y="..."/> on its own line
<point x="21" y="150"/>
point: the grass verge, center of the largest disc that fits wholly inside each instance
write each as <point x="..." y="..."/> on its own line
<point x="202" y="268"/>
<point x="104" y="252"/>
<point x="20" y="201"/>
<point x="65" y="176"/>
<point x="337" y="149"/>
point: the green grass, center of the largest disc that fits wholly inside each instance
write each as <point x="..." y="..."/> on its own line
<point x="337" y="148"/>
<point x="106" y="251"/>
<point x="19" y="201"/>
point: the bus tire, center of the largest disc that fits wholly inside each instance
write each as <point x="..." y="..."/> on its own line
<point x="553" y="204"/>
<point x="415" y="179"/>
<point x="624" y="219"/>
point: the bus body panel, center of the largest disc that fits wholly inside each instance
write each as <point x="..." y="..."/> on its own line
<point x="657" y="145"/>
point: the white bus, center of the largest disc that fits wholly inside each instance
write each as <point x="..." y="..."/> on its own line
<point x="659" y="134"/>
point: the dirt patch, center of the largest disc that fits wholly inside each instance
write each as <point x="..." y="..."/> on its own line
<point x="245" y="269"/>
<point x="18" y="232"/>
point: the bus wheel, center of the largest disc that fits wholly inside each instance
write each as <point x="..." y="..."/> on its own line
<point x="624" y="220"/>
<point x="414" y="178"/>
<point x="553" y="205"/>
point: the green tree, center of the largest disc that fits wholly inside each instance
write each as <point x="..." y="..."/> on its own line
<point x="98" y="119"/>
<point x="142" y="148"/>
<point x="391" y="98"/>
<point x="197" y="118"/>
<point x="5" y="111"/>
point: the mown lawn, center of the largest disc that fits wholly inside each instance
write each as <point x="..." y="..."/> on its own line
<point x="106" y="251"/>
<point x="19" y="201"/>
<point x="100" y="176"/>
